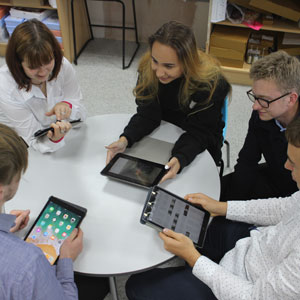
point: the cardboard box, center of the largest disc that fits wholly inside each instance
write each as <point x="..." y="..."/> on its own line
<point x="289" y="9"/>
<point x="227" y="53"/>
<point x="230" y="37"/>
<point x="268" y="19"/>
<point x="290" y="49"/>
<point x="28" y="2"/>
<point x="231" y="62"/>
<point x="246" y="4"/>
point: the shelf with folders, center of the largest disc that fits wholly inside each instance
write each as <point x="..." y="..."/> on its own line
<point x="63" y="10"/>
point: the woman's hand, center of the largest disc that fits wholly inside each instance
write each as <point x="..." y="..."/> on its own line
<point x="116" y="147"/>
<point x="180" y="245"/>
<point x="216" y="208"/>
<point x="60" y="130"/>
<point x="22" y="218"/>
<point x="61" y="110"/>
<point x="173" y="166"/>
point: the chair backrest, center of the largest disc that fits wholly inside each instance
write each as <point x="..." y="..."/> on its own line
<point x="225" y="116"/>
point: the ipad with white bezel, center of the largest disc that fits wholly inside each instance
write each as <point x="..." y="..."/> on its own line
<point x="134" y="170"/>
<point x="165" y="210"/>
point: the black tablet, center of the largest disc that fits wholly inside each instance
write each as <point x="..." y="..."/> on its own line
<point x="166" y="210"/>
<point x="54" y="224"/>
<point x="134" y="170"/>
<point x="43" y="132"/>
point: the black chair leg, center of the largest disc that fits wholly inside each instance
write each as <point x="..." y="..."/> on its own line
<point x="227" y="153"/>
<point x="123" y="27"/>
<point x="74" y="33"/>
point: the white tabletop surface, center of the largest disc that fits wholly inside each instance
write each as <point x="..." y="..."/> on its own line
<point x="114" y="240"/>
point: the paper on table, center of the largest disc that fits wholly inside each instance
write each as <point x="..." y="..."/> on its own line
<point x="218" y="10"/>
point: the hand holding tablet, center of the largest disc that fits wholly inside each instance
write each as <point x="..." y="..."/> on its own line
<point x="166" y="210"/>
<point x="54" y="224"/>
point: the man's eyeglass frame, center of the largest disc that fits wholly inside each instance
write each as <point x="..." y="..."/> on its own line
<point x="254" y="98"/>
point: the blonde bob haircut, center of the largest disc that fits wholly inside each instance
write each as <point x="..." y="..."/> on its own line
<point x="34" y="43"/>
<point x="200" y="71"/>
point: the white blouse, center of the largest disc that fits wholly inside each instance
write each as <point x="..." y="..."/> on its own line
<point x="25" y="111"/>
<point x="265" y="265"/>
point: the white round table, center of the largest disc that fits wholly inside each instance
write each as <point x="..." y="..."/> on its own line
<point x="114" y="240"/>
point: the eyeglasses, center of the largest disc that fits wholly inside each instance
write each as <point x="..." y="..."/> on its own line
<point x="263" y="102"/>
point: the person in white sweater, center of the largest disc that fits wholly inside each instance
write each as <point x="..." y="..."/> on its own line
<point x="38" y="87"/>
<point x="263" y="264"/>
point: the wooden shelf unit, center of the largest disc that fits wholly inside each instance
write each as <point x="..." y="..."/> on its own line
<point x="64" y="15"/>
<point x="241" y="75"/>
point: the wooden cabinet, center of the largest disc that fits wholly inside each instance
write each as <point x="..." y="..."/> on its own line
<point x="65" y="19"/>
<point x="241" y="75"/>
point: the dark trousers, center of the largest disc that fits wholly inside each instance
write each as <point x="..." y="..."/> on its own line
<point x="91" y="288"/>
<point x="179" y="283"/>
<point x="263" y="186"/>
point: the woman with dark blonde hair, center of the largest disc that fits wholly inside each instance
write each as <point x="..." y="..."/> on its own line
<point x="38" y="87"/>
<point x="182" y="85"/>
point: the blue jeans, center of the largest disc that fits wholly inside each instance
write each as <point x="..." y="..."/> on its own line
<point x="179" y="283"/>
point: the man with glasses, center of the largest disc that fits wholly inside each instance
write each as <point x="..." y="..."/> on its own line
<point x="263" y="262"/>
<point x="274" y="93"/>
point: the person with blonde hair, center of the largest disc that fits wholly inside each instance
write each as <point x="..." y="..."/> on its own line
<point x="275" y="95"/>
<point x="182" y="85"/>
<point x="38" y="87"/>
<point x="256" y="262"/>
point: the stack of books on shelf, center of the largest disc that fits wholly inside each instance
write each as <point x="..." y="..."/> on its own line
<point x="18" y="15"/>
<point x="3" y="31"/>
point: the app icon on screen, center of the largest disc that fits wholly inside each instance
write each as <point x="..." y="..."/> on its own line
<point x="43" y="223"/>
<point x="64" y="234"/>
<point x="61" y="223"/>
<point x="33" y="237"/>
<point x="56" y="230"/>
<point x="38" y="229"/>
<point x="51" y="208"/>
<point x="47" y="216"/>
<point x="49" y="226"/>
<point x="68" y="227"/>
<point x="54" y="219"/>
<point x="52" y="237"/>
<point x="73" y="220"/>
<point x="46" y="233"/>
<point x="65" y="216"/>
<point x="58" y="212"/>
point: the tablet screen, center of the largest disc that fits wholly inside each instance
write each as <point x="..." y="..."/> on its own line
<point x="134" y="170"/>
<point x="170" y="211"/>
<point x="52" y="227"/>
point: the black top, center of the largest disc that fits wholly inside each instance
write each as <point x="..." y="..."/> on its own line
<point x="201" y="121"/>
<point x="264" y="138"/>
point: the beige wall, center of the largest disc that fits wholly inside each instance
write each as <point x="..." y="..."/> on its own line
<point x="151" y="14"/>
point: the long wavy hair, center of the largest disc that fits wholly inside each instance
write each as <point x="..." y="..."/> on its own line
<point x="200" y="71"/>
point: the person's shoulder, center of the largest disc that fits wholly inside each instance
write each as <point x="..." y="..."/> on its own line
<point x="16" y="253"/>
<point x="66" y="68"/>
<point x="65" y="62"/>
<point x="7" y="82"/>
<point x="5" y="76"/>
